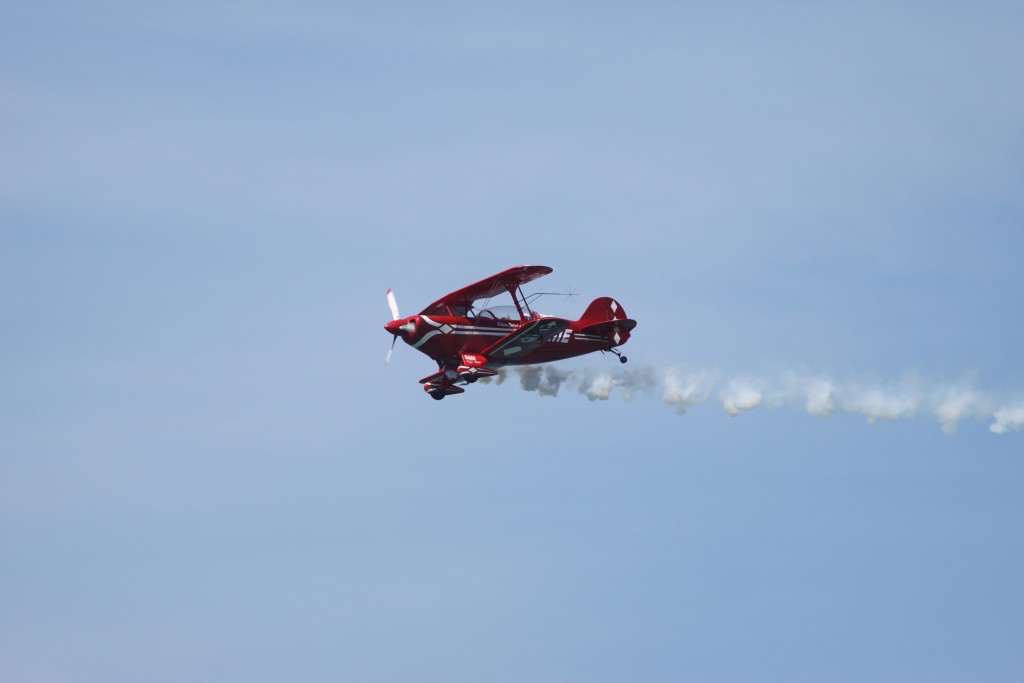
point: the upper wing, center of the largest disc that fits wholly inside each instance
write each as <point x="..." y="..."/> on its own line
<point x="524" y="340"/>
<point x="460" y="300"/>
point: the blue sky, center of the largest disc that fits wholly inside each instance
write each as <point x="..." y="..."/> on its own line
<point x="208" y="474"/>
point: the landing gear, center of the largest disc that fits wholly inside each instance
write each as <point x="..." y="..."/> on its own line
<point x="470" y="379"/>
<point x="622" y="359"/>
<point x="436" y="394"/>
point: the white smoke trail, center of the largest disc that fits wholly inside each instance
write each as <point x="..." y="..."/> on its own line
<point x="544" y="380"/>
<point x="600" y="387"/>
<point x="957" y="405"/>
<point x="817" y="395"/>
<point x="741" y="395"/>
<point x="1008" y="419"/>
<point x="684" y="393"/>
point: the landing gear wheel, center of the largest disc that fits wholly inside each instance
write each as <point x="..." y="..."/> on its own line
<point x="436" y="395"/>
<point x="471" y="379"/>
<point x="618" y="354"/>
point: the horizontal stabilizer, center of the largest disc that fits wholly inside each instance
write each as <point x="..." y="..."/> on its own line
<point x="609" y="326"/>
<point x="615" y="331"/>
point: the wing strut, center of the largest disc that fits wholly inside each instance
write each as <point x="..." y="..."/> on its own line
<point x="522" y="305"/>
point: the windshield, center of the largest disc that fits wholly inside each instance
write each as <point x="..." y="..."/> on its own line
<point x="500" y="312"/>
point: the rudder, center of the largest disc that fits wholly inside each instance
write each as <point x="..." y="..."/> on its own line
<point x="602" y="310"/>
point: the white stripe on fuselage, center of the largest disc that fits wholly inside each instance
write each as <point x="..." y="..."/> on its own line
<point x="427" y="336"/>
<point x="462" y="329"/>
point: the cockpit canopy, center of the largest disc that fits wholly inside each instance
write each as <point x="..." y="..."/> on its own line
<point x="502" y="314"/>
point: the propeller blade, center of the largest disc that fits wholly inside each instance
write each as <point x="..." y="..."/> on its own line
<point x="387" y="360"/>
<point x="393" y="305"/>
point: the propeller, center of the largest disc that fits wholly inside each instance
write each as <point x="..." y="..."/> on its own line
<point x="387" y="359"/>
<point x="393" y="305"/>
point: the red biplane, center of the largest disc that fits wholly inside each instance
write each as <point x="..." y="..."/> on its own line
<point x="468" y="344"/>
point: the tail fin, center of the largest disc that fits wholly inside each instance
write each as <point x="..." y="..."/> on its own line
<point x="602" y="310"/>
